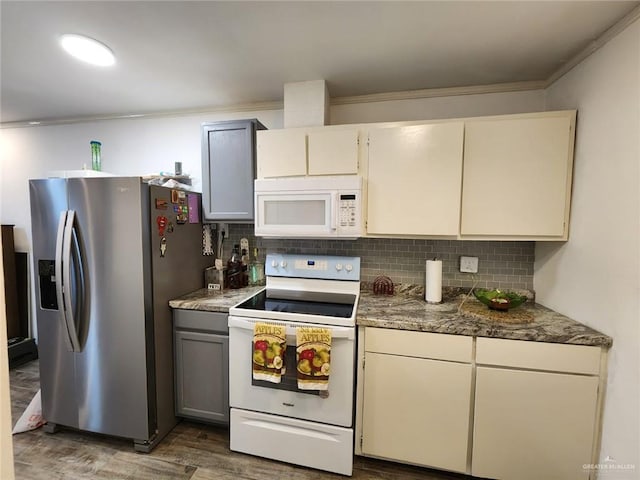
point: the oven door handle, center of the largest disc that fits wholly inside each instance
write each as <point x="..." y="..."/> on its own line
<point x="336" y="332"/>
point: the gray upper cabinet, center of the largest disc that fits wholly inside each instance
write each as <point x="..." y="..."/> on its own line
<point x="228" y="169"/>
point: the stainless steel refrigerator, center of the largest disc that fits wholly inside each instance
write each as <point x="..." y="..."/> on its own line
<point x="109" y="253"/>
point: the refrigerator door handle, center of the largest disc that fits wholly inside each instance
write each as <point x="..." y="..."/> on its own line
<point x="81" y="290"/>
<point x="58" y="273"/>
<point x="66" y="282"/>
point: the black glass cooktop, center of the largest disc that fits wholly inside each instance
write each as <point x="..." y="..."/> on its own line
<point x="309" y="303"/>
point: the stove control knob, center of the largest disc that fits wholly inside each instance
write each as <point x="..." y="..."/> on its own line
<point x="274" y="264"/>
<point x="283" y="264"/>
<point x="338" y="266"/>
<point x="348" y="267"/>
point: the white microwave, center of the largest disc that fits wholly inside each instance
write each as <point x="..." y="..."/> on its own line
<point x="309" y="207"/>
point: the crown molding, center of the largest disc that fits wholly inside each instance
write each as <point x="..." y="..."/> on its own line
<point x="260" y="106"/>
<point x="441" y="92"/>
<point x="599" y="42"/>
<point x="245" y="107"/>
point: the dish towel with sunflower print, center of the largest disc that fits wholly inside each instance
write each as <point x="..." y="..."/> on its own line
<point x="269" y="346"/>
<point x="313" y="357"/>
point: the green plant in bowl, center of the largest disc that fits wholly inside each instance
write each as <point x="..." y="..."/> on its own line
<point x="499" y="300"/>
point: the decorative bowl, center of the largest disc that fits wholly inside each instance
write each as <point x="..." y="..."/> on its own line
<point x="499" y="300"/>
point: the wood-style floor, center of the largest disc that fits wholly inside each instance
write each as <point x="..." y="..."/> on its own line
<point x="191" y="451"/>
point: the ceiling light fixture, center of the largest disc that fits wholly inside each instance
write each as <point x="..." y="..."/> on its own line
<point x="87" y="49"/>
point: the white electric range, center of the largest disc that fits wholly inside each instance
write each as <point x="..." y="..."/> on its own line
<point x="277" y="420"/>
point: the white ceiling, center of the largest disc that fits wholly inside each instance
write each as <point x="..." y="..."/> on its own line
<point x="190" y="56"/>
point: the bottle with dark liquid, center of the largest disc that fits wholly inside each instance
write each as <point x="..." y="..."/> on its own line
<point x="235" y="273"/>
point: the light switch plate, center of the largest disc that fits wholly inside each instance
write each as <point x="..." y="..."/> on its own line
<point x="469" y="264"/>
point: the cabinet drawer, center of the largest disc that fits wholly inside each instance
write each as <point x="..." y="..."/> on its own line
<point x="538" y="355"/>
<point x="456" y="348"/>
<point x="197" y="320"/>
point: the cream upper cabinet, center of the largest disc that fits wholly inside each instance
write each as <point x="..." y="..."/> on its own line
<point x="414" y="179"/>
<point x="281" y="153"/>
<point x="517" y="176"/>
<point x="417" y="398"/>
<point x="304" y="151"/>
<point x="333" y="152"/>
<point x="503" y="177"/>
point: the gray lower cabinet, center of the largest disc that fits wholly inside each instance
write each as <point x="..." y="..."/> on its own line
<point x="202" y="365"/>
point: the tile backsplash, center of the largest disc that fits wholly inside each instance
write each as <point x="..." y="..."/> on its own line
<point x="501" y="264"/>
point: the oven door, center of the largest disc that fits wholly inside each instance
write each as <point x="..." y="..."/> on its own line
<point x="285" y="398"/>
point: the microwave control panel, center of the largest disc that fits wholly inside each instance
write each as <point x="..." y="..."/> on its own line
<point x="348" y="210"/>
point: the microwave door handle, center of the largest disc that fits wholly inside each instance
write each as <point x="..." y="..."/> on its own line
<point x="336" y="211"/>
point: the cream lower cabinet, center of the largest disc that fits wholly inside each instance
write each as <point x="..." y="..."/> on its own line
<point x="414" y="179"/>
<point x="520" y="410"/>
<point x="416" y="399"/>
<point x="517" y="176"/>
<point x="539" y="422"/>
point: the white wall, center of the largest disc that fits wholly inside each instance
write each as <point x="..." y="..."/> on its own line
<point x="595" y="277"/>
<point x="439" y="107"/>
<point x="135" y="146"/>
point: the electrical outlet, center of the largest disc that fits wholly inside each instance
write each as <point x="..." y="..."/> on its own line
<point x="469" y="264"/>
<point x="244" y="245"/>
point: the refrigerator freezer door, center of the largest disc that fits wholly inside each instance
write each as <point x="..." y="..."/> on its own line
<point x="112" y="373"/>
<point x="59" y="400"/>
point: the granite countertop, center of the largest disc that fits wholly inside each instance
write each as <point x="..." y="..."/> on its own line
<point x="407" y="310"/>
<point x="410" y="312"/>
<point x="213" y="300"/>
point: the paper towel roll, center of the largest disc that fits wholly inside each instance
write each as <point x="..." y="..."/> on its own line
<point x="433" y="288"/>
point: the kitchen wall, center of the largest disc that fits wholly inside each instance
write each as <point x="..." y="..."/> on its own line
<point x="135" y="146"/>
<point x="458" y="106"/>
<point x="595" y="276"/>
<point x="501" y="264"/>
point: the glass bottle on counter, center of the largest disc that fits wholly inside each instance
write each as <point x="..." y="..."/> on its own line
<point x="96" y="161"/>
<point x="256" y="270"/>
<point x="235" y="273"/>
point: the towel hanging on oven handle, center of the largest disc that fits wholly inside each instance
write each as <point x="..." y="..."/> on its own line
<point x="336" y="332"/>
